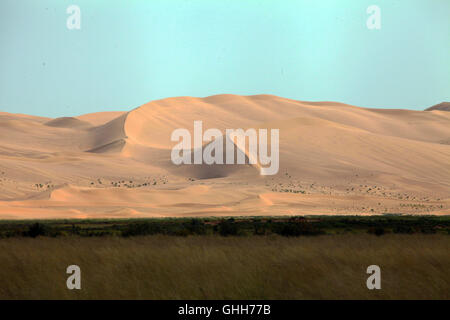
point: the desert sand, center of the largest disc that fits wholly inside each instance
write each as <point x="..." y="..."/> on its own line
<point x="334" y="159"/>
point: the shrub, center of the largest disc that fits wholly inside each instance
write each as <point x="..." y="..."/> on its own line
<point x="141" y="229"/>
<point x="228" y="228"/>
<point x="403" y="229"/>
<point x="35" y="230"/>
<point x="195" y="226"/>
<point x="259" y="228"/>
<point x="295" y="229"/>
<point x="378" y="231"/>
<point x="428" y="229"/>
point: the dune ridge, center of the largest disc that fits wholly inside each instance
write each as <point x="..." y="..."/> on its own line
<point x="443" y="106"/>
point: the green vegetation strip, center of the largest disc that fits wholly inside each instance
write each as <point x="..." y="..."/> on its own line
<point x="237" y="226"/>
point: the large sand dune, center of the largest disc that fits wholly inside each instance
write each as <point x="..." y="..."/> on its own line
<point x="334" y="159"/>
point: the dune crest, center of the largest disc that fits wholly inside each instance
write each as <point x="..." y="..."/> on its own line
<point x="67" y="122"/>
<point x="443" y="106"/>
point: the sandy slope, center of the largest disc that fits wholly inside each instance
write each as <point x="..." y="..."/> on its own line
<point x="334" y="159"/>
<point x="443" y="106"/>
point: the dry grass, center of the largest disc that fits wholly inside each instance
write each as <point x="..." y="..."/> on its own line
<point x="209" y="267"/>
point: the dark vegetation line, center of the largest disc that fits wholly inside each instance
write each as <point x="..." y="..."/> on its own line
<point x="242" y="226"/>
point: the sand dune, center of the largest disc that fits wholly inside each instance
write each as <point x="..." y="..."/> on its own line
<point x="443" y="106"/>
<point x="334" y="159"/>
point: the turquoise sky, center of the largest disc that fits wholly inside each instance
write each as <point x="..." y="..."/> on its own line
<point x="130" y="52"/>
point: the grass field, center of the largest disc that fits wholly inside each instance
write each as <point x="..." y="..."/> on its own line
<point x="413" y="266"/>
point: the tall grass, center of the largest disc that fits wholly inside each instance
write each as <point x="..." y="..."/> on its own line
<point x="210" y="267"/>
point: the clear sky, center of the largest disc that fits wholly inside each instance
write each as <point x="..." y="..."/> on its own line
<point x="129" y="52"/>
